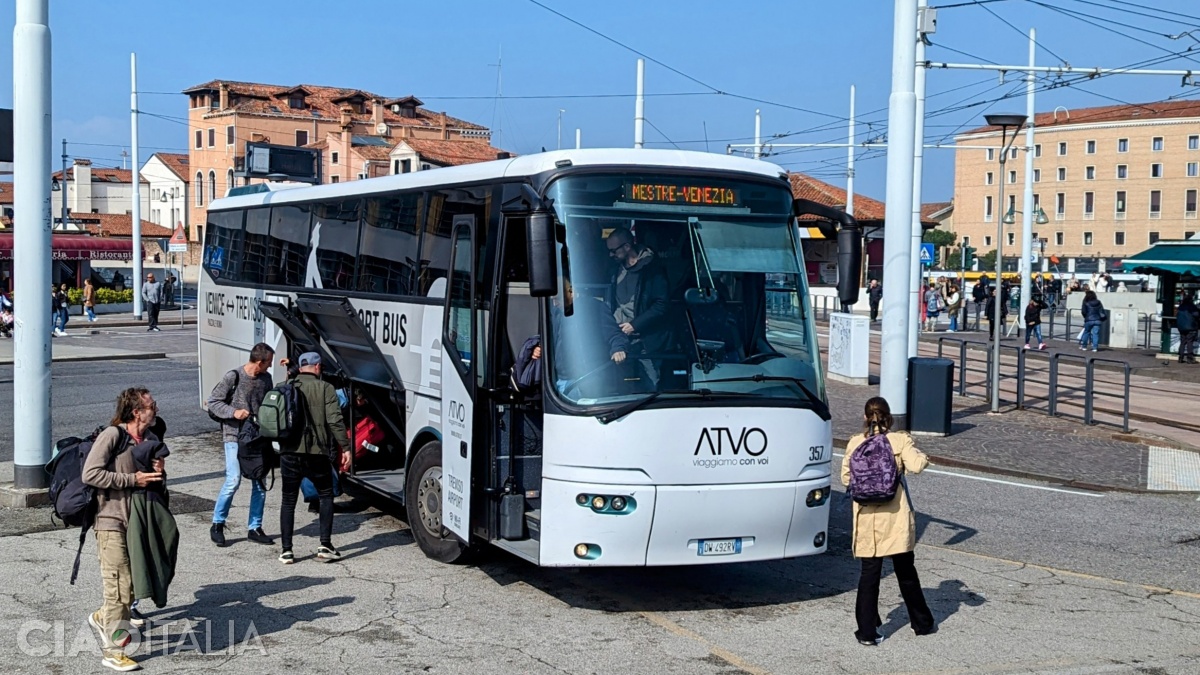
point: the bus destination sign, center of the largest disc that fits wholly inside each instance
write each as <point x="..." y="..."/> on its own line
<point x="672" y="193"/>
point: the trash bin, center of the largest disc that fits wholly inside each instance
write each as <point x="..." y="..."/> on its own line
<point x="930" y="395"/>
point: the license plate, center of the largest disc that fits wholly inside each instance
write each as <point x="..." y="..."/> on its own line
<point x="718" y="547"/>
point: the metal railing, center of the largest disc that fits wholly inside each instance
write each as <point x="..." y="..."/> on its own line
<point x="1061" y="387"/>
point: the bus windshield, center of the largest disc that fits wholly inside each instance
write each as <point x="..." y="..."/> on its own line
<point x="678" y="284"/>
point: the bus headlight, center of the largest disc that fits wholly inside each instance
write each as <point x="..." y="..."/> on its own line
<point x="582" y="500"/>
<point x="817" y="497"/>
<point x="617" y="503"/>
<point x="599" y="502"/>
<point x="587" y="551"/>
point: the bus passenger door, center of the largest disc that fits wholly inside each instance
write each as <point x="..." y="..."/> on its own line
<point x="459" y="363"/>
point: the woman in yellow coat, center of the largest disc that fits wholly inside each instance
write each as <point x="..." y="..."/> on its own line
<point x="886" y="529"/>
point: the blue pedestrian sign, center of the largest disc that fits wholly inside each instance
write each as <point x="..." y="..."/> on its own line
<point x="926" y="254"/>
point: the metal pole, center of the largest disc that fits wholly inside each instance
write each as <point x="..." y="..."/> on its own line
<point x="578" y="138"/>
<point x="560" y="112"/>
<point x="893" y="380"/>
<point x="757" y="134"/>
<point x="998" y="305"/>
<point x="63" y="187"/>
<point x="137" y="192"/>
<point x="917" y="290"/>
<point x="1026" y="266"/>
<point x="850" y="159"/>
<point x="639" y="106"/>
<point x="31" y="238"/>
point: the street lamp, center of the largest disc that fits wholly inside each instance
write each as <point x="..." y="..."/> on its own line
<point x="1004" y="121"/>
<point x="1039" y="216"/>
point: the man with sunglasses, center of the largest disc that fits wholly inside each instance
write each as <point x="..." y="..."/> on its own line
<point x="638" y="297"/>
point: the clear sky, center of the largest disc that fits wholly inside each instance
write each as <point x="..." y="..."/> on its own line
<point x="798" y="57"/>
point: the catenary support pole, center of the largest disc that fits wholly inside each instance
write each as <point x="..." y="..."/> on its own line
<point x="137" y="193"/>
<point x="850" y="158"/>
<point x="1027" y="213"/>
<point x="578" y="138"/>
<point x="639" y="106"/>
<point x="897" y="247"/>
<point x="31" y="238"/>
<point x="62" y="186"/>
<point x="916" y="292"/>
<point x="757" y="134"/>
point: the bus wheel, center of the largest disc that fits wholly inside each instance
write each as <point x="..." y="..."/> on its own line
<point x="423" y="502"/>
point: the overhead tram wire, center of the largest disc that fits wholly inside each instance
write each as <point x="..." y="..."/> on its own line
<point x="1142" y="6"/>
<point x="1086" y="18"/>
<point x="1022" y="33"/>
<point x="1130" y="11"/>
<point x="660" y="133"/>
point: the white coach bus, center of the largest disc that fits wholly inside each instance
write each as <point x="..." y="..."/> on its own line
<point x="697" y="433"/>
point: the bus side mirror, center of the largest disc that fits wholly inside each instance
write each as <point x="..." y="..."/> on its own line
<point x="543" y="271"/>
<point x="850" y="256"/>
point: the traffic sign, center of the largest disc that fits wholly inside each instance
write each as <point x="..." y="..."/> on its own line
<point x="926" y="254"/>
<point x="178" y="243"/>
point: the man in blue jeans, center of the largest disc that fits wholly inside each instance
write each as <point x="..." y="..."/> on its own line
<point x="234" y="400"/>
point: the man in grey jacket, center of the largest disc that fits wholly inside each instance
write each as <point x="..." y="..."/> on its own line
<point x="152" y="295"/>
<point x="235" y="400"/>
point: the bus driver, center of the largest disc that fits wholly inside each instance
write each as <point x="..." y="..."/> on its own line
<point x="638" y="297"/>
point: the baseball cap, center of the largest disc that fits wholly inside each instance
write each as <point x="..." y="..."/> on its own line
<point x="309" y="359"/>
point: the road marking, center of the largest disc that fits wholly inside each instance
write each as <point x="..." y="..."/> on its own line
<point x="984" y="479"/>
<point x="1079" y="575"/>
<point x="723" y="654"/>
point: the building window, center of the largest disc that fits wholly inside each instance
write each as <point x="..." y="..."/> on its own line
<point x="212" y="185"/>
<point x="987" y="178"/>
<point x="301" y="138"/>
<point x="1087" y="238"/>
<point x="1037" y="150"/>
<point x="1012" y="177"/>
<point x="987" y="241"/>
<point x="1156" y="171"/>
<point x="1060" y="206"/>
<point x="1089" y="205"/>
<point x="334" y="179"/>
<point x="199" y="139"/>
<point x="1155" y="203"/>
<point x="1189" y="203"/>
<point x="1012" y="153"/>
<point x="1122" y="171"/>
<point x="1089" y="173"/>
<point x="987" y="209"/>
<point x="1189" y="234"/>
<point x="199" y="188"/>
<point x="1062" y="173"/>
<point x="1119" y="238"/>
<point x="966" y="241"/>
<point x="1058" y="239"/>
<point x="1012" y="239"/>
<point x="1091" y="147"/>
<point x="296" y="102"/>
<point x="1062" y="149"/>
<point x="1122" y="145"/>
<point x="1153" y="237"/>
<point x="1037" y="175"/>
<point x="229" y="180"/>
<point x="405" y="165"/>
<point x="212" y="137"/>
<point x="991" y="154"/>
<point x="1193" y="142"/>
<point x="1120" y="205"/>
<point x="1156" y="144"/>
<point x="230" y="135"/>
<point x="333" y="157"/>
<point x="1193" y="169"/>
<point x="1012" y="204"/>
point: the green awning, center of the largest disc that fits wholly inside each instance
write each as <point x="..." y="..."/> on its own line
<point x="1167" y="257"/>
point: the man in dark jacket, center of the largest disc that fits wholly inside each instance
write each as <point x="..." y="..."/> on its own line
<point x="324" y="432"/>
<point x="990" y="310"/>
<point x="1187" y="320"/>
<point x="638" y="297"/>
<point x="874" y="296"/>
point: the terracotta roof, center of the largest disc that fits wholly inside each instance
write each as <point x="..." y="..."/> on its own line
<point x="323" y="103"/>
<point x="1138" y="112"/>
<point x="6" y="193"/>
<point x="931" y="209"/>
<point x="453" y="152"/>
<point x="177" y="163"/>
<point x="101" y="174"/>
<point x="373" y="152"/>
<point x="117" y="225"/>
<point x="807" y="187"/>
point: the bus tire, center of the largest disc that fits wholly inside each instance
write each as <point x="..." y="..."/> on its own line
<point x="423" y="503"/>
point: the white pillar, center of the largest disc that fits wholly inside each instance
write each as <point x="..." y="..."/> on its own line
<point x="31" y="238"/>
<point x="917" y="289"/>
<point x="897" y="247"/>
<point x="578" y="138"/>
<point x="850" y="159"/>
<point x="137" y="193"/>
<point x="639" y="107"/>
<point x="757" y="134"/>
<point x="1027" y="214"/>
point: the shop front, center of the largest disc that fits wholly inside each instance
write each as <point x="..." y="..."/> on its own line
<point x="72" y="256"/>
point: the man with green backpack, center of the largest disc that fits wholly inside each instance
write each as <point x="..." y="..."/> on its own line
<point x="305" y="418"/>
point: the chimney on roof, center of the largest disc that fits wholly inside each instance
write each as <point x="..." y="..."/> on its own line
<point x="81" y="200"/>
<point x="224" y="89"/>
<point x="347" y="117"/>
<point x="442" y="119"/>
<point x="376" y="112"/>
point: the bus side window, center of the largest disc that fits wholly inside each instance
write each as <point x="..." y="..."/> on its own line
<point x="439" y="220"/>
<point x="335" y="234"/>
<point x="288" y="245"/>
<point x="223" y="244"/>
<point x="257" y="243"/>
<point x="387" y="263"/>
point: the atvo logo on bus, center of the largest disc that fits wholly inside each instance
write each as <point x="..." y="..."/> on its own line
<point x="718" y="441"/>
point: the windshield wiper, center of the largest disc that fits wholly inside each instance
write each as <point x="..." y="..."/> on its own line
<point x="819" y="406"/>
<point x="617" y="413"/>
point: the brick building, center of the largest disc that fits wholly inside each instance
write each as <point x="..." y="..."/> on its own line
<point x="1111" y="181"/>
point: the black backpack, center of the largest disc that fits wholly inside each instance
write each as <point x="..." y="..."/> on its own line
<point x="256" y="455"/>
<point x="237" y="378"/>
<point x="73" y="501"/>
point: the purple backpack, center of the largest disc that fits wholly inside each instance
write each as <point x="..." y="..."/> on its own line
<point x="873" y="471"/>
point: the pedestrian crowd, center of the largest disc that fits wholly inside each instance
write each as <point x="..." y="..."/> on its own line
<point x="155" y="294"/>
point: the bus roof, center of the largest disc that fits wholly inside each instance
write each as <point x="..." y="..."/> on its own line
<point x="518" y="167"/>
